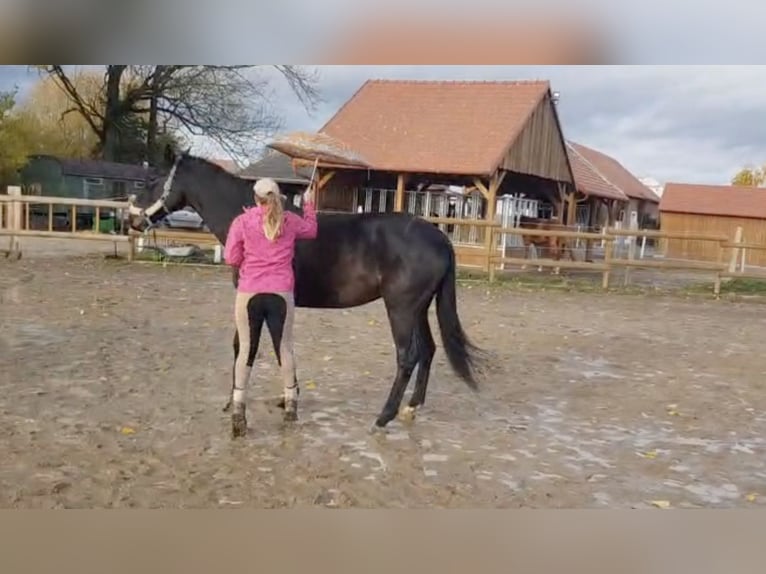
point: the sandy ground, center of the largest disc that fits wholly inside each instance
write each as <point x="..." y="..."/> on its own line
<point x="113" y="376"/>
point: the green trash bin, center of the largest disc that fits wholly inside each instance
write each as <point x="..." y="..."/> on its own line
<point x="105" y="225"/>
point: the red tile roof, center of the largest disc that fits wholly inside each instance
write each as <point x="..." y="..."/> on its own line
<point x="588" y="180"/>
<point x="722" y="200"/>
<point x="436" y="126"/>
<point x="616" y="174"/>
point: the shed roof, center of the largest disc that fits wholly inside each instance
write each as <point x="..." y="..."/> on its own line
<point x="452" y="127"/>
<point x="589" y="180"/>
<point x="721" y="200"/>
<point x="277" y="166"/>
<point x="615" y="173"/>
<point x="100" y="168"/>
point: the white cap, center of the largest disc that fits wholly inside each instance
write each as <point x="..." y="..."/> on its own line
<point x="263" y="187"/>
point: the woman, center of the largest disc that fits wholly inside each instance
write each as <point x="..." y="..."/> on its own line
<point x="261" y="244"/>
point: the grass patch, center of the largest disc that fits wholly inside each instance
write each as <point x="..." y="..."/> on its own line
<point x="739" y="286"/>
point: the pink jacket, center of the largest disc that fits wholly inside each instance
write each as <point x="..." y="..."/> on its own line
<point x="266" y="266"/>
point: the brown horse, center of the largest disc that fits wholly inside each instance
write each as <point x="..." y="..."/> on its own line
<point x="555" y="246"/>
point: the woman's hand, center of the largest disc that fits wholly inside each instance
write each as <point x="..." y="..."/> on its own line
<point x="308" y="195"/>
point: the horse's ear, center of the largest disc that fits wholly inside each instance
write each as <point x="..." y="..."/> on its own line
<point x="170" y="155"/>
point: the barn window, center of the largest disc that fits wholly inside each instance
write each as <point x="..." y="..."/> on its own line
<point x="93" y="187"/>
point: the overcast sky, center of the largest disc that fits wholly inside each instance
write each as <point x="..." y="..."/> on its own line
<point x="672" y="123"/>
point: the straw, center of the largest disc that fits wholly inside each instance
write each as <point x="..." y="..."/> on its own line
<point x="317" y="147"/>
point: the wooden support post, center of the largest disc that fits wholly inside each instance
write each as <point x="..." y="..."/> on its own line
<point x="595" y="209"/>
<point x="489" y="216"/>
<point x="399" y="197"/>
<point x="561" y="203"/>
<point x="571" y="209"/>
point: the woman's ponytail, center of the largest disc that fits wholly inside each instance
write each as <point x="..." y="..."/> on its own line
<point x="272" y="221"/>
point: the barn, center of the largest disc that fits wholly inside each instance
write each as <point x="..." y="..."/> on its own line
<point x="278" y="167"/>
<point x="712" y="210"/>
<point x="53" y="176"/>
<point x="470" y="149"/>
<point x="626" y="201"/>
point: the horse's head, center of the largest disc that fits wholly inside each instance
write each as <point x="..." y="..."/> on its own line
<point x="166" y="194"/>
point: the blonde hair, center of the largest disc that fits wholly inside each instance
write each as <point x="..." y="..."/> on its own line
<point x="267" y="194"/>
<point x="272" y="221"/>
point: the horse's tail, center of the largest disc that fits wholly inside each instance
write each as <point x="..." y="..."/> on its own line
<point x="463" y="355"/>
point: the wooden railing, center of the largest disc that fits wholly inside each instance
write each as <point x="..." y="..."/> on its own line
<point x="15" y="218"/>
<point x="721" y="269"/>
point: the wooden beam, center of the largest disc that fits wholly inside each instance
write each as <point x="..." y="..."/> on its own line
<point x="325" y="179"/>
<point x="481" y="187"/>
<point x="399" y="197"/>
<point x="500" y="177"/>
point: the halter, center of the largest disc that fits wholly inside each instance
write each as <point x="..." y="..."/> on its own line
<point x="158" y="205"/>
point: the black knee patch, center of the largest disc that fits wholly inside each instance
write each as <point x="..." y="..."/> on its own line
<point x="271" y="308"/>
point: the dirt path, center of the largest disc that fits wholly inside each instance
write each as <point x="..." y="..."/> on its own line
<point x="113" y="377"/>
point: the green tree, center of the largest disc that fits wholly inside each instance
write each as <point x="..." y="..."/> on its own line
<point x="15" y="139"/>
<point x="750" y="176"/>
<point x="57" y="132"/>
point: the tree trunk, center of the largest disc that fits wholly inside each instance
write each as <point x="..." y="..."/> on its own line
<point x="112" y="113"/>
<point x="151" y="131"/>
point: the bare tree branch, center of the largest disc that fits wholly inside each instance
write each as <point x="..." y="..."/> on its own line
<point x="234" y="106"/>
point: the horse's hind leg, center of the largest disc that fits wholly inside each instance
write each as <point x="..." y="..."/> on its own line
<point x="426" y="350"/>
<point x="403" y="320"/>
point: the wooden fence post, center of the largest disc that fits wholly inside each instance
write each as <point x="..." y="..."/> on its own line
<point x="14" y="221"/>
<point x="607" y="260"/>
<point x="490" y="230"/>
<point x="735" y="250"/>
<point x="717" y="281"/>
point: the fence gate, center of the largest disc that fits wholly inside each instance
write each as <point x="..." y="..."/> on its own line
<point x="509" y="210"/>
<point x="374" y="200"/>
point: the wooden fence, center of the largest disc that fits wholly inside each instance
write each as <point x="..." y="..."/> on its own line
<point x="15" y="219"/>
<point x="731" y="251"/>
<point x="729" y="262"/>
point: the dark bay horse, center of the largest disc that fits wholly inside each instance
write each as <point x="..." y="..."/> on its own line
<point x="355" y="259"/>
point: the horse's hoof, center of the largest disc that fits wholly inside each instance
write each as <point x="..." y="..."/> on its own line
<point x="376" y="429"/>
<point x="407" y="414"/>
<point x="227" y="408"/>
<point x="238" y="425"/>
<point x="291" y="411"/>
